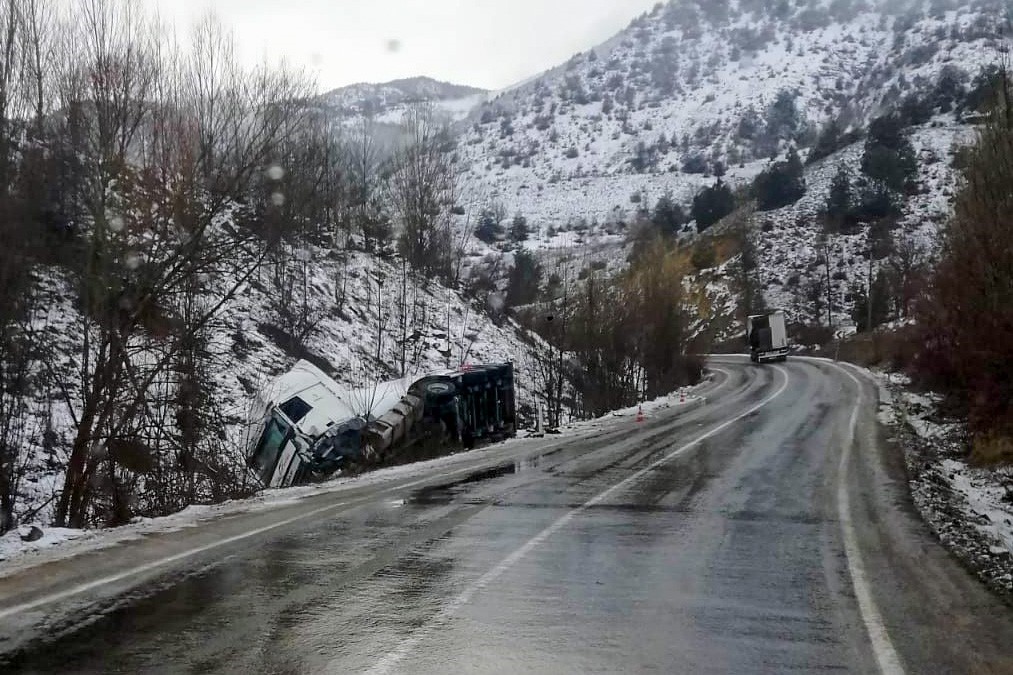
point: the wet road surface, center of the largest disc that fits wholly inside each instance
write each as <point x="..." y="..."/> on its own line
<point x="768" y="531"/>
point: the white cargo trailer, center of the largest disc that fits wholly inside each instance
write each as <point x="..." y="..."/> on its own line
<point x="767" y="337"/>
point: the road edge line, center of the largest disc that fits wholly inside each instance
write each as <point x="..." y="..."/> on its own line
<point x="188" y="553"/>
<point x="887" y="658"/>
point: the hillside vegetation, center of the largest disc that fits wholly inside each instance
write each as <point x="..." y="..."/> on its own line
<point x="178" y="229"/>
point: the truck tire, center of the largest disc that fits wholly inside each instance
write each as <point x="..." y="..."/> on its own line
<point x="440" y="389"/>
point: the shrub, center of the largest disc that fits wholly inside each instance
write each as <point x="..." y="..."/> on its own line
<point x="992" y="450"/>
<point x="694" y="164"/>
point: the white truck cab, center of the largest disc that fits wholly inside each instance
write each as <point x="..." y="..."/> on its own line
<point x="311" y="424"/>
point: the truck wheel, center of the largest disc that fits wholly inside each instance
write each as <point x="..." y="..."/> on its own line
<point x="440" y="389"/>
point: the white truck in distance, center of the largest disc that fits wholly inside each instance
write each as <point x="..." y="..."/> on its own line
<point x="767" y="337"/>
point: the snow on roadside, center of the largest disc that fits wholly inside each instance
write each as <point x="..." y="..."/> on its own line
<point x="970" y="509"/>
<point x="57" y="544"/>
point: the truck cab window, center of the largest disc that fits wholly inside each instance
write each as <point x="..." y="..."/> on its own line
<point x="295" y="409"/>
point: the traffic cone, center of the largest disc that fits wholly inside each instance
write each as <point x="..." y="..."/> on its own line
<point x="640" y="415"/>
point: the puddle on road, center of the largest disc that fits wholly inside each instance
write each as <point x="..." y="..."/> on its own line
<point x="447" y="492"/>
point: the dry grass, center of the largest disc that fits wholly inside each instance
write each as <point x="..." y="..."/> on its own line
<point x="892" y="350"/>
<point x="726" y="247"/>
<point x="992" y="450"/>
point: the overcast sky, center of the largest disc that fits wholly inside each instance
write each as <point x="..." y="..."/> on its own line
<point x="484" y="43"/>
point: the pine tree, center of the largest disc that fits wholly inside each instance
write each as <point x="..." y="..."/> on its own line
<point x="781" y="184"/>
<point x="524" y="280"/>
<point x="827" y="143"/>
<point x="889" y="156"/>
<point x="519" y="231"/>
<point x="712" y="204"/>
<point x="490" y="228"/>
<point x="839" y="202"/>
<point x="668" y="216"/>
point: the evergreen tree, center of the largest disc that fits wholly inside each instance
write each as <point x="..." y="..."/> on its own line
<point x="881" y="294"/>
<point x="712" y="204"/>
<point x="524" y="280"/>
<point x="781" y="184"/>
<point x="838" y="209"/>
<point x="875" y="201"/>
<point x="519" y="231"/>
<point x="889" y="156"/>
<point x="490" y="228"/>
<point x="829" y="141"/>
<point x="668" y="216"/>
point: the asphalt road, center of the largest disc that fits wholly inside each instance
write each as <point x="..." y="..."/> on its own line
<point x="767" y="531"/>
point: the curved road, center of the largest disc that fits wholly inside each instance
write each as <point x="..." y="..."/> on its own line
<point x="767" y="531"/>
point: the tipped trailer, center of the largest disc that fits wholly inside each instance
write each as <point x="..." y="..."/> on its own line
<point x="767" y="337"/>
<point x="312" y="427"/>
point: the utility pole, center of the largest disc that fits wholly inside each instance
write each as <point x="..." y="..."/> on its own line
<point x="868" y="295"/>
<point x="830" y="288"/>
<point x="379" y="319"/>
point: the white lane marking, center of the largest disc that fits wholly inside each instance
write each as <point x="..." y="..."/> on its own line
<point x="886" y="656"/>
<point x="393" y="658"/>
<point x="161" y="562"/>
<point x="724" y="382"/>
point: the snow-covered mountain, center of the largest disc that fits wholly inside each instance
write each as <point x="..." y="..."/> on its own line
<point x="698" y="87"/>
<point x="386" y="102"/>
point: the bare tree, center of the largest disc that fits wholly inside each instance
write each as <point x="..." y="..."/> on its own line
<point x="422" y="190"/>
<point x="366" y="211"/>
<point x="297" y="310"/>
<point x="180" y="138"/>
<point x="908" y="266"/>
<point x="39" y="17"/>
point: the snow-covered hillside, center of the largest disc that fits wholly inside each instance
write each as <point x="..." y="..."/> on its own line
<point x="692" y="91"/>
<point x="438" y="328"/>
<point x="788" y="238"/>
<point x="697" y="88"/>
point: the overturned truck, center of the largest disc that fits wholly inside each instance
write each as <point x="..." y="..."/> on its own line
<point x="312" y="427"/>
